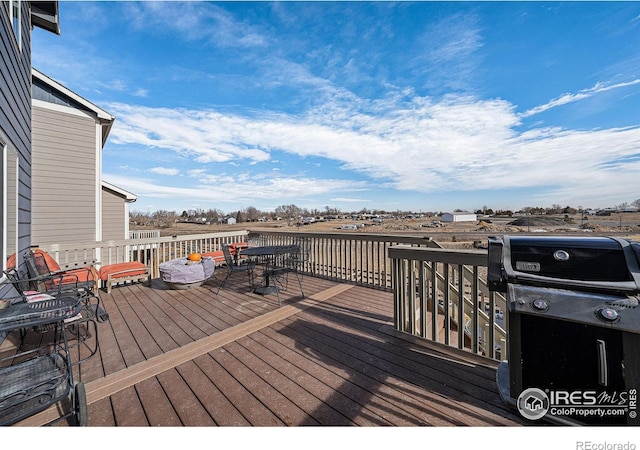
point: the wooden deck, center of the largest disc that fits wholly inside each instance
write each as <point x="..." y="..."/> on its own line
<point x="197" y="358"/>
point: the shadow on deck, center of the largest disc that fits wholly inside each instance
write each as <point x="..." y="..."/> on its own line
<point x="194" y="358"/>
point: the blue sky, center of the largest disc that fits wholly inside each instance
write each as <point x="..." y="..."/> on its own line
<point x="426" y="106"/>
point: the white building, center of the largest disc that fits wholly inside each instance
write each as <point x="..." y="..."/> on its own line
<point x="462" y="216"/>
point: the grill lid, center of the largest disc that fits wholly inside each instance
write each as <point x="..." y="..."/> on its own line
<point x="591" y="263"/>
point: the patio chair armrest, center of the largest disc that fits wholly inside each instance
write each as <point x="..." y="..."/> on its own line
<point x="51" y="284"/>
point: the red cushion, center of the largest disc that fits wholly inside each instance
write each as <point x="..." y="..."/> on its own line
<point x="217" y="256"/>
<point x="237" y="246"/>
<point x="52" y="264"/>
<point x="129" y="267"/>
<point x="11" y="262"/>
<point x="80" y="275"/>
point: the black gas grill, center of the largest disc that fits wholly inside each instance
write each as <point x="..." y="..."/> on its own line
<point x="574" y="326"/>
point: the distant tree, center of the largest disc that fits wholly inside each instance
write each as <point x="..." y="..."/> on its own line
<point x="555" y="209"/>
<point x="533" y="210"/>
<point x="290" y="213"/>
<point x="164" y="219"/>
<point x="636" y="203"/>
<point x="214" y="215"/>
<point x="252" y="214"/>
<point x="140" y="218"/>
<point x="184" y="215"/>
<point x="331" y="211"/>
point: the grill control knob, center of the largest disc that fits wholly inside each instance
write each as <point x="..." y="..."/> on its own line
<point x="539" y="305"/>
<point x="607" y="314"/>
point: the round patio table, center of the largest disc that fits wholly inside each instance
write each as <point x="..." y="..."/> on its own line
<point x="180" y="273"/>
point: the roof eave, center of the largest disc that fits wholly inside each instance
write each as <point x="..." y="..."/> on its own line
<point x="45" y="15"/>
<point x="106" y="119"/>
<point x="128" y="196"/>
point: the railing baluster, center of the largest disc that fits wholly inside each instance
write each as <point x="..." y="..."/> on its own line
<point x="461" y="308"/>
<point x="434" y="301"/>
<point x="422" y="296"/>
<point x="446" y="300"/>
<point x="491" y="331"/>
<point x="476" y="311"/>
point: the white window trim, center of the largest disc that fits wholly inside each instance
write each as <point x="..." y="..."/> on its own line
<point x="6" y="151"/>
<point x="15" y="23"/>
<point x="5" y="155"/>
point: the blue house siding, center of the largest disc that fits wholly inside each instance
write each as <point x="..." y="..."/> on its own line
<point x="15" y="106"/>
<point x="15" y="112"/>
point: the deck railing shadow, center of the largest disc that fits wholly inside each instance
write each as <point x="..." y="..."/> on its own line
<point x="424" y="390"/>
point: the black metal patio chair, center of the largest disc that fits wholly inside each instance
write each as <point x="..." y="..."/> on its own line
<point x="37" y="277"/>
<point x="277" y="270"/>
<point x="233" y="267"/>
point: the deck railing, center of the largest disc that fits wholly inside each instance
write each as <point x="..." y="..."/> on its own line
<point x="144" y="234"/>
<point x="442" y="295"/>
<point x="360" y="258"/>
<point x="150" y="251"/>
<point x="436" y="291"/>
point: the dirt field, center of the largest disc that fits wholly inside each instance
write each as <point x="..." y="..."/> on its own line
<point x="452" y="235"/>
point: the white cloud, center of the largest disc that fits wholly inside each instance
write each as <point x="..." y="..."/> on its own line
<point x="196" y="21"/>
<point x="234" y="190"/>
<point x="140" y="92"/>
<point x="570" y="98"/>
<point x="164" y="171"/>
<point x="349" y="200"/>
<point x="458" y="143"/>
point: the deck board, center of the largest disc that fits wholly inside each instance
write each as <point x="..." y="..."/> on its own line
<point x="255" y="412"/>
<point x="327" y="359"/>
<point x="127" y="409"/>
<point x="220" y="409"/>
<point x="186" y="404"/>
<point x="287" y="411"/>
<point x="159" y="411"/>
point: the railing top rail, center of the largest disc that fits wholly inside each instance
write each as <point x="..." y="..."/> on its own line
<point x="476" y="257"/>
<point x="143" y="241"/>
<point x="399" y="238"/>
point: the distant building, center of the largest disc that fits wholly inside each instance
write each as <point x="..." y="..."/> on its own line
<point x="462" y="216"/>
<point x="231" y="221"/>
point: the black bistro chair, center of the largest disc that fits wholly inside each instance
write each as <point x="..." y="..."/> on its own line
<point x="241" y="266"/>
<point x="277" y="271"/>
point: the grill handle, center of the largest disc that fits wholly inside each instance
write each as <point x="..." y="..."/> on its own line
<point x="603" y="375"/>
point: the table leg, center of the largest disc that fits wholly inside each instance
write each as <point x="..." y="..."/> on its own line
<point x="267" y="288"/>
